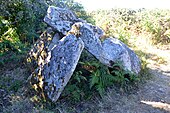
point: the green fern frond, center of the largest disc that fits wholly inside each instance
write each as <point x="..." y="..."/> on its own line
<point x="94" y="80"/>
<point x="100" y="89"/>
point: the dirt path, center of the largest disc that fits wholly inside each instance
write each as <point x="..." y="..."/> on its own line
<point x="152" y="96"/>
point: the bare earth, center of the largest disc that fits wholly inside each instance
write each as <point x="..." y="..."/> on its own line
<point x="153" y="96"/>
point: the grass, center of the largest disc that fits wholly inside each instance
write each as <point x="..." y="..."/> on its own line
<point x="26" y="100"/>
<point x="126" y="23"/>
<point x="83" y="92"/>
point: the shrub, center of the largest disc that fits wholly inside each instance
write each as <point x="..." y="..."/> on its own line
<point x="93" y="78"/>
<point x="124" y="23"/>
<point x="21" y="23"/>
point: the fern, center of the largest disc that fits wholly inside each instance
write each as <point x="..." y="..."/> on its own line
<point x="100" y="78"/>
<point x="82" y="86"/>
<point x="94" y="80"/>
<point x="100" y="89"/>
<point x="122" y="76"/>
<point x="78" y="76"/>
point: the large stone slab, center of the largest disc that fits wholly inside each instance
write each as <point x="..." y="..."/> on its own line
<point x="63" y="61"/>
<point x="55" y="55"/>
<point x="61" y="19"/>
<point x="54" y="71"/>
<point x="109" y="51"/>
<point x="90" y="35"/>
<point x="116" y="51"/>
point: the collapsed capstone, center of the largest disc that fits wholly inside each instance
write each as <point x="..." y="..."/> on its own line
<point x="55" y="55"/>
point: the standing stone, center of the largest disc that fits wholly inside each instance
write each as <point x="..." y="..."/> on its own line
<point x="52" y="77"/>
<point x="56" y="54"/>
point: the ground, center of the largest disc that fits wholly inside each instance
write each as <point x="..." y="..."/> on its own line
<point x="151" y="96"/>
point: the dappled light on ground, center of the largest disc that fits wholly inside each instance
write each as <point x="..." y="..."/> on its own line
<point x="156" y="56"/>
<point x="159" y="105"/>
<point x="147" y="32"/>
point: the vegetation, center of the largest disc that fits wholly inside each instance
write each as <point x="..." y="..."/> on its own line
<point x="93" y="78"/>
<point x="126" y="24"/>
<point x="21" y="23"/>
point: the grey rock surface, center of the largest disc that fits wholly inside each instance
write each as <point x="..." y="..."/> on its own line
<point x="55" y="55"/>
<point x="116" y="51"/>
<point x="63" y="61"/>
<point x="55" y="69"/>
<point x="90" y="35"/>
<point x="109" y="51"/>
<point x="61" y="19"/>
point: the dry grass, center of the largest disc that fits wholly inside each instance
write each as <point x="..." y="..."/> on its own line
<point x="151" y="96"/>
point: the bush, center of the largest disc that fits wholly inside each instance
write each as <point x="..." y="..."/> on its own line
<point x="93" y="78"/>
<point x="126" y="23"/>
<point x="21" y="23"/>
<point x="157" y="23"/>
<point x="26" y="16"/>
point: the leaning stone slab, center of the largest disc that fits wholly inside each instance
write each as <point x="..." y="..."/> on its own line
<point x="90" y="35"/>
<point x="114" y="50"/>
<point x="63" y="61"/>
<point x="57" y="52"/>
<point x="53" y="61"/>
<point x="108" y="51"/>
